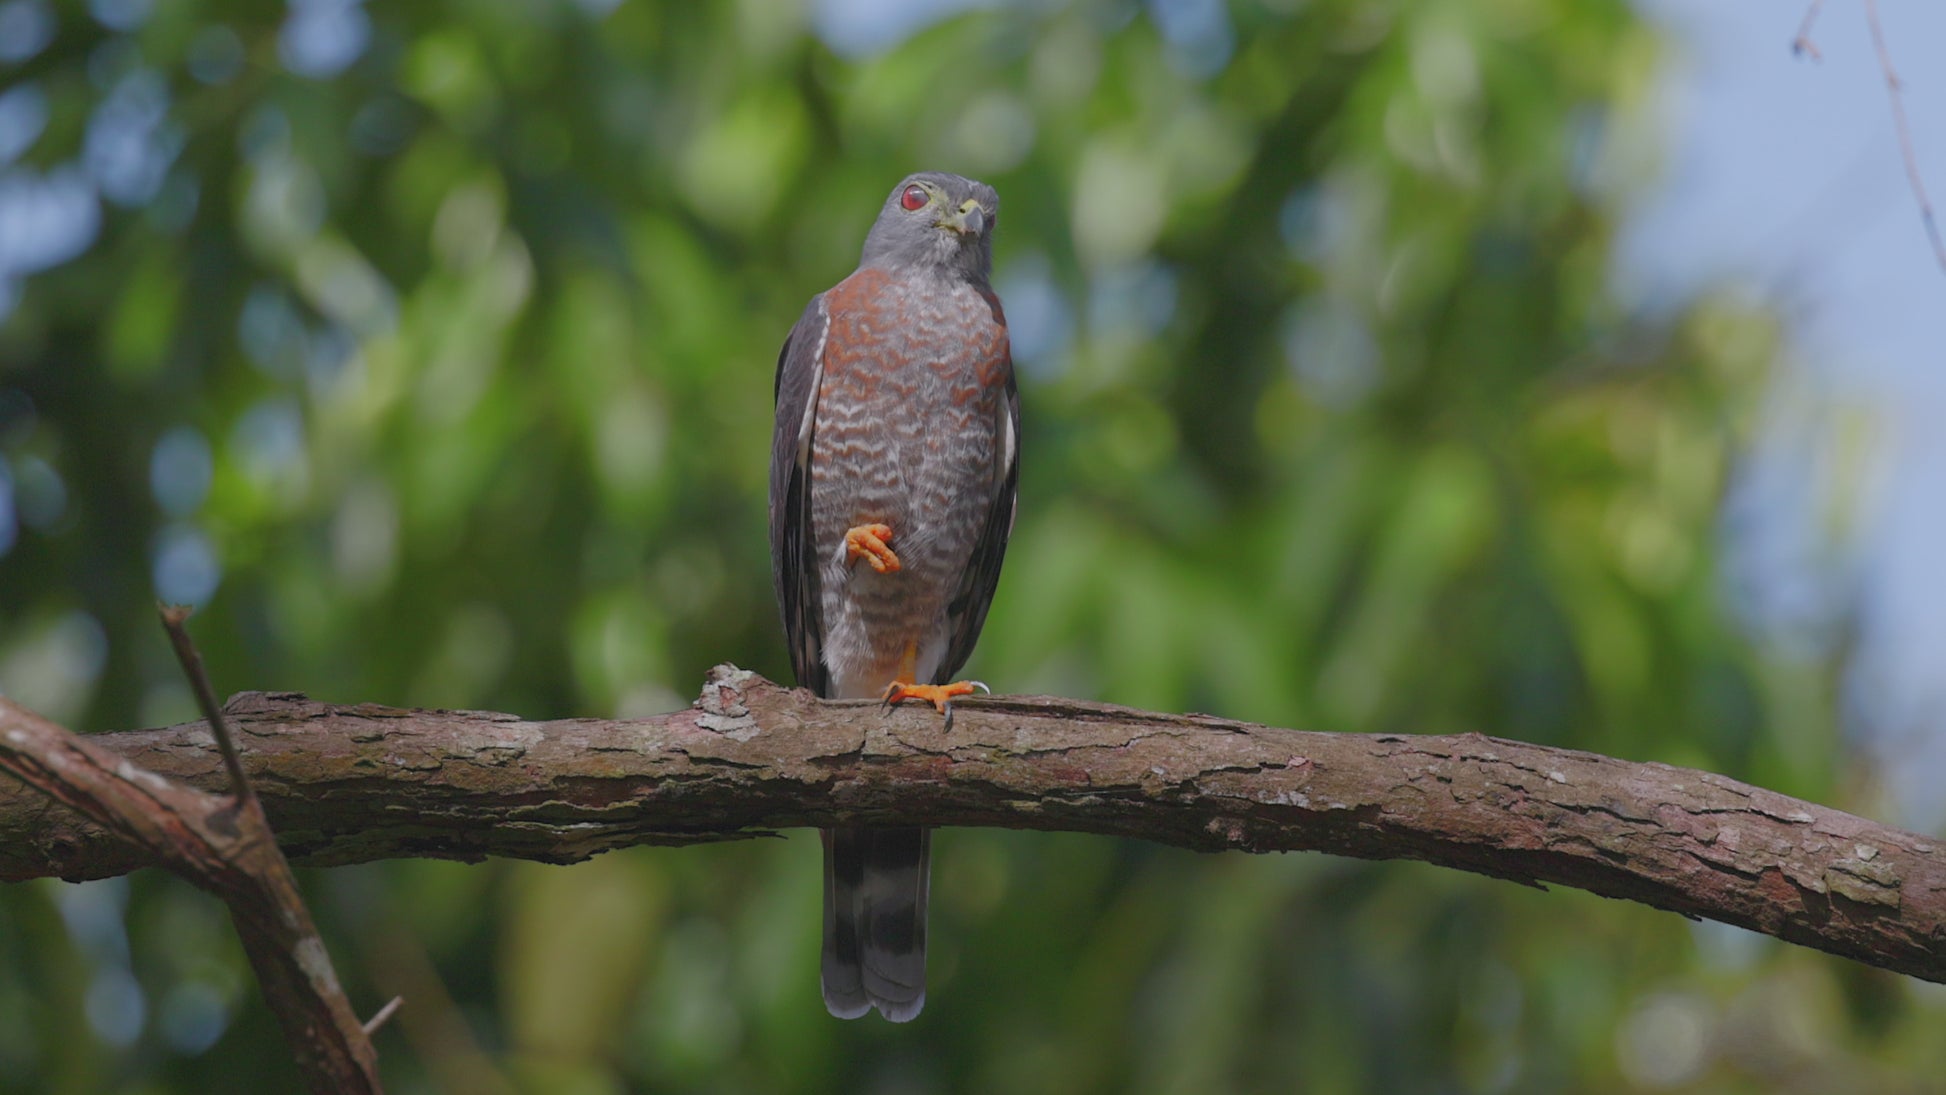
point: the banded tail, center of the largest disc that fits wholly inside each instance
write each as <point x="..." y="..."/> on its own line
<point x="875" y="921"/>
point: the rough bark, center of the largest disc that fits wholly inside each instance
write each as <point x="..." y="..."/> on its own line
<point x="346" y="784"/>
<point x="220" y="842"/>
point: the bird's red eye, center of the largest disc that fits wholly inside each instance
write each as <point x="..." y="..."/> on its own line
<point x="914" y="198"/>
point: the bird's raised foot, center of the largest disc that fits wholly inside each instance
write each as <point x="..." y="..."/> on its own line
<point x="869" y="543"/>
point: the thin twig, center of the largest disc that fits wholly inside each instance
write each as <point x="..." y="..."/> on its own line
<point x="395" y="961"/>
<point x="173" y="617"/>
<point x="384" y="1013"/>
<point x="1895" y="89"/>
<point x="1802" y="44"/>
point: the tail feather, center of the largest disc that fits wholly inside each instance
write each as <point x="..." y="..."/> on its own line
<point x="875" y="921"/>
<point x="840" y="970"/>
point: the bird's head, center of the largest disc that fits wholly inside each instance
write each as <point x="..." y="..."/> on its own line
<point x="936" y="220"/>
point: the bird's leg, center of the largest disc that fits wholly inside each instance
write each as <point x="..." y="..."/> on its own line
<point x="941" y="696"/>
<point x="869" y="542"/>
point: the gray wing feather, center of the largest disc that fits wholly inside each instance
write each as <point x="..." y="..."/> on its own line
<point x="793" y="555"/>
<point x="967" y="611"/>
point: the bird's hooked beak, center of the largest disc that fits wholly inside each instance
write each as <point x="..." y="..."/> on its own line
<point x="968" y="220"/>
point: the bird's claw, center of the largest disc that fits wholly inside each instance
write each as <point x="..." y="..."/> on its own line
<point x="941" y="696"/>
<point x="869" y="542"/>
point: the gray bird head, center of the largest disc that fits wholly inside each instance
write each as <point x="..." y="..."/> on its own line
<point x="935" y="220"/>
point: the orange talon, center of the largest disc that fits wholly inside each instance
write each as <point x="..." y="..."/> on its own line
<point x="869" y="542"/>
<point x="939" y="695"/>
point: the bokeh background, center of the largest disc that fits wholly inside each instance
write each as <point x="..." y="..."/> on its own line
<point x="1558" y="369"/>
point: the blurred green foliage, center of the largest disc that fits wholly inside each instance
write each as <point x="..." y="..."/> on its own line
<point x="438" y="368"/>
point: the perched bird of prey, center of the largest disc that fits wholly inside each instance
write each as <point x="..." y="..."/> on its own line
<point x="892" y="477"/>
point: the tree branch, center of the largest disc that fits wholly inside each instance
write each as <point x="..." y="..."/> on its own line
<point x="220" y="842"/>
<point x="347" y="784"/>
<point x="1895" y="91"/>
<point x="1803" y="46"/>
